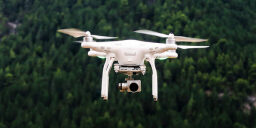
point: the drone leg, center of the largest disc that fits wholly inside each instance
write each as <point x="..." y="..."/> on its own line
<point x="154" y="79"/>
<point x="105" y="77"/>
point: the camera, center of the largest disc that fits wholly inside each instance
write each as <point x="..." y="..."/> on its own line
<point x="130" y="86"/>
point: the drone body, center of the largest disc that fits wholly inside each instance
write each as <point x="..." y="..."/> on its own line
<point x="130" y="56"/>
<point x="128" y="52"/>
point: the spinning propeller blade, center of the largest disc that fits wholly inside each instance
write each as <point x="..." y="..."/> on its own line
<point x="188" y="39"/>
<point x="102" y="37"/>
<point x="73" y="32"/>
<point x="177" y="38"/>
<point x="78" y="33"/>
<point x="190" y="47"/>
<point x="148" y="32"/>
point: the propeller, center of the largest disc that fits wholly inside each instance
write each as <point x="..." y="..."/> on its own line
<point x="190" y="47"/>
<point x="78" y="33"/>
<point x="177" y="38"/>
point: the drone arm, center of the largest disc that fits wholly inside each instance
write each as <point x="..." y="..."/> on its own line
<point x="95" y="53"/>
<point x="105" y="77"/>
<point x="154" y="78"/>
<point x="100" y="47"/>
<point x="159" y="48"/>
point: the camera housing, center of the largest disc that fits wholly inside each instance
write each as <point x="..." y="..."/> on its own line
<point x="130" y="86"/>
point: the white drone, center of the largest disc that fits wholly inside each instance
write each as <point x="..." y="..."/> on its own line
<point x="130" y="56"/>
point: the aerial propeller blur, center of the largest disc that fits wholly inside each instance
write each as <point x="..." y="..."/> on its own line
<point x="177" y="38"/>
<point x="78" y="33"/>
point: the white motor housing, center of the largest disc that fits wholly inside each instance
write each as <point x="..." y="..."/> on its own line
<point x="169" y="53"/>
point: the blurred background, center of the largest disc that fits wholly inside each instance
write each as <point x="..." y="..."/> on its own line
<point x="47" y="80"/>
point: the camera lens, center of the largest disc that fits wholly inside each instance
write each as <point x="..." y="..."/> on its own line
<point x="134" y="87"/>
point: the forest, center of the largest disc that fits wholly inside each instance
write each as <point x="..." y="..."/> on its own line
<point x="48" y="81"/>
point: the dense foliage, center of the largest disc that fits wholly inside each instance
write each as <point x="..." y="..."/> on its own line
<point x="46" y="80"/>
